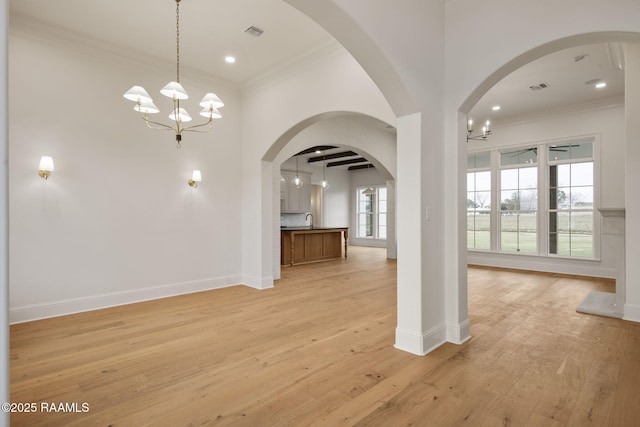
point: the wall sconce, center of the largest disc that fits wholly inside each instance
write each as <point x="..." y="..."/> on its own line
<point x="195" y="178"/>
<point x="46" y="166"/>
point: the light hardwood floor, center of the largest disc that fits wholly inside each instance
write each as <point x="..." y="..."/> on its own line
<point x="318" y="350"/>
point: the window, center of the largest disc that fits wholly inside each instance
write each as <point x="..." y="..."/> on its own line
<point x="372" y="212"/>
<point x="537" y="199"/>
<point x="571" y="199"/>
<point x="479" y="201"/>
<point x="519" y="201"/>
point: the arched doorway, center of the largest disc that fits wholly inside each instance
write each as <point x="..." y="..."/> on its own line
<point x="368" y="136"/>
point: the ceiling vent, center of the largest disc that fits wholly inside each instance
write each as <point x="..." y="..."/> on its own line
<point x="539" y="86"/>
<point x="254" y="31"/>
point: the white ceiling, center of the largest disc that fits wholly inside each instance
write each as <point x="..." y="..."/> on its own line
<point x="209" y="30"/>
<point x="565" y="76"/>
<point x="212" y="29"/>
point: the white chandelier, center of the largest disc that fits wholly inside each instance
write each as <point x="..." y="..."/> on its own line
<point x="174" y="90"/>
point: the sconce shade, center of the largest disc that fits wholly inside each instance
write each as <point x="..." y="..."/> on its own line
<point x="180" y="115"/>
<point x="46" y="163"/>
<point x="174" y="90"/>
<point x="211" y="100"/>
<point x="208" y="112"/>
<point x="196" y="177"/>
<point x="137" y="94"/>
<point x="146" y="107"/>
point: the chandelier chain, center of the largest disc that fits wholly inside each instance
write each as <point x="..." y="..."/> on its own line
<point x="178" y="41"/>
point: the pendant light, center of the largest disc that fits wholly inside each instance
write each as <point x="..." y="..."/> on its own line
<point x="296" y="180"/>
<point x="325" y="183"/>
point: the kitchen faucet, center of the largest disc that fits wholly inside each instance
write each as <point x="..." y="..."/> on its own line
<point x="307" y="217"/>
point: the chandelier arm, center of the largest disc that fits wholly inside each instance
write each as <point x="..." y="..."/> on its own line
<point x="161" y="126"/>
<point x="195" y="128"/>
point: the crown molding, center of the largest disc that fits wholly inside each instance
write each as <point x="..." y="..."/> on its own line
<point x="27" y="27"/>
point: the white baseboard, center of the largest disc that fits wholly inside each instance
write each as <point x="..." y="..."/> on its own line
<point x="632" y="312"/>
<point x="257" y="282"/>
<point x="76" y="305"/>
<point x="460" y="333"/>
<point x="420" y="344"/>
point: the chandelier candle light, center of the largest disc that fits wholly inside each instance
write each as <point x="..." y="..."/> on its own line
<point x="483" y="136"/>
<point x="174" y="90"/>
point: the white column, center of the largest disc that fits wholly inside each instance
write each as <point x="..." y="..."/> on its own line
<point x="632" y="181"/>
<point x="392" y="249"/>
<point x="4" y="219"/>
<point x="421" y="325"/>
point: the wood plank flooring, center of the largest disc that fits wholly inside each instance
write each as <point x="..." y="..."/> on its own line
<point x="318" y="350"/>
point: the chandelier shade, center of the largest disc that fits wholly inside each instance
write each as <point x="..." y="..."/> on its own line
<point x="174" y="90"/>
<point x="137" y="94"/>
<point x="211" y="100"/>
<point x="180" y="115"/>
<point x="146" y="107"/>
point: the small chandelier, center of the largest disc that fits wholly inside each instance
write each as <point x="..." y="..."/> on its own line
<point x="174" y="90"/>
<point x="481" y="136"/>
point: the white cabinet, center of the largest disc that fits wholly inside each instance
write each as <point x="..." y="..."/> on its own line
<point x="295" y="199"/>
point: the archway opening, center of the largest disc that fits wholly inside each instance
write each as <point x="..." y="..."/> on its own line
<point x="352" y="152"/>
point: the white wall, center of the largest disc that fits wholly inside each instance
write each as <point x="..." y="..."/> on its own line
<point x="606" y="125"/>
<point x="116" y="222"/>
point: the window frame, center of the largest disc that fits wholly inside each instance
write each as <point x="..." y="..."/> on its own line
<point x="544" y="191"/>
<point x="376" y="214"/>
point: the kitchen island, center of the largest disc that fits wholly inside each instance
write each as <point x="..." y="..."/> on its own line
<point x="299" y="245"/>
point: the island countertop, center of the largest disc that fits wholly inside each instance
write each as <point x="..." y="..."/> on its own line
<point x="312" y="244"/>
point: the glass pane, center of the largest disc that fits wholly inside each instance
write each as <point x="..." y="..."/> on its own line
<point x="520" y="156"/>
<point x="559" y="152"/>
<point x="509" y="179"/>
<point x="483" y="200"/>
<point x="509" y="200"/>
<point x="582" y="222"/>
<point x="563" y="222"/>
<point x="382" y="206"/>
<point x="382" y="220"/>
<point x="471" y="200"/>
<point x="564" y="175"/>
<point x="528" y="178"/>
<point x="529" y="200"/>
<point x="483" y="181"/>
<point x="582" y="245"/>
<point x="362" y="206"/>
<point x="471" y="181"/>
<point x="582" y="174"/>
<point x="518" y="233"/>
<point x="582" y="197"/>
<point x="479" y="160"/>
<point x="382" y="193"/>
<point x="582" y="150"/>
<point x="382" y="232"/>
<point x="562" y="197"/>
<point x="482" y="240"/>
<point x="564" y="244"/>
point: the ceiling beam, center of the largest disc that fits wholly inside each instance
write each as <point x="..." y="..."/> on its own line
<point x="356" y="167"/>
<point x="346" y="162"/>
<point x="332" y="156"/>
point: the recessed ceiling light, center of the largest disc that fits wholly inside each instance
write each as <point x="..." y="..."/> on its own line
<point x="230" y="59"/>
<point x="600" y="85"/>
<point x="495" y="108"/>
